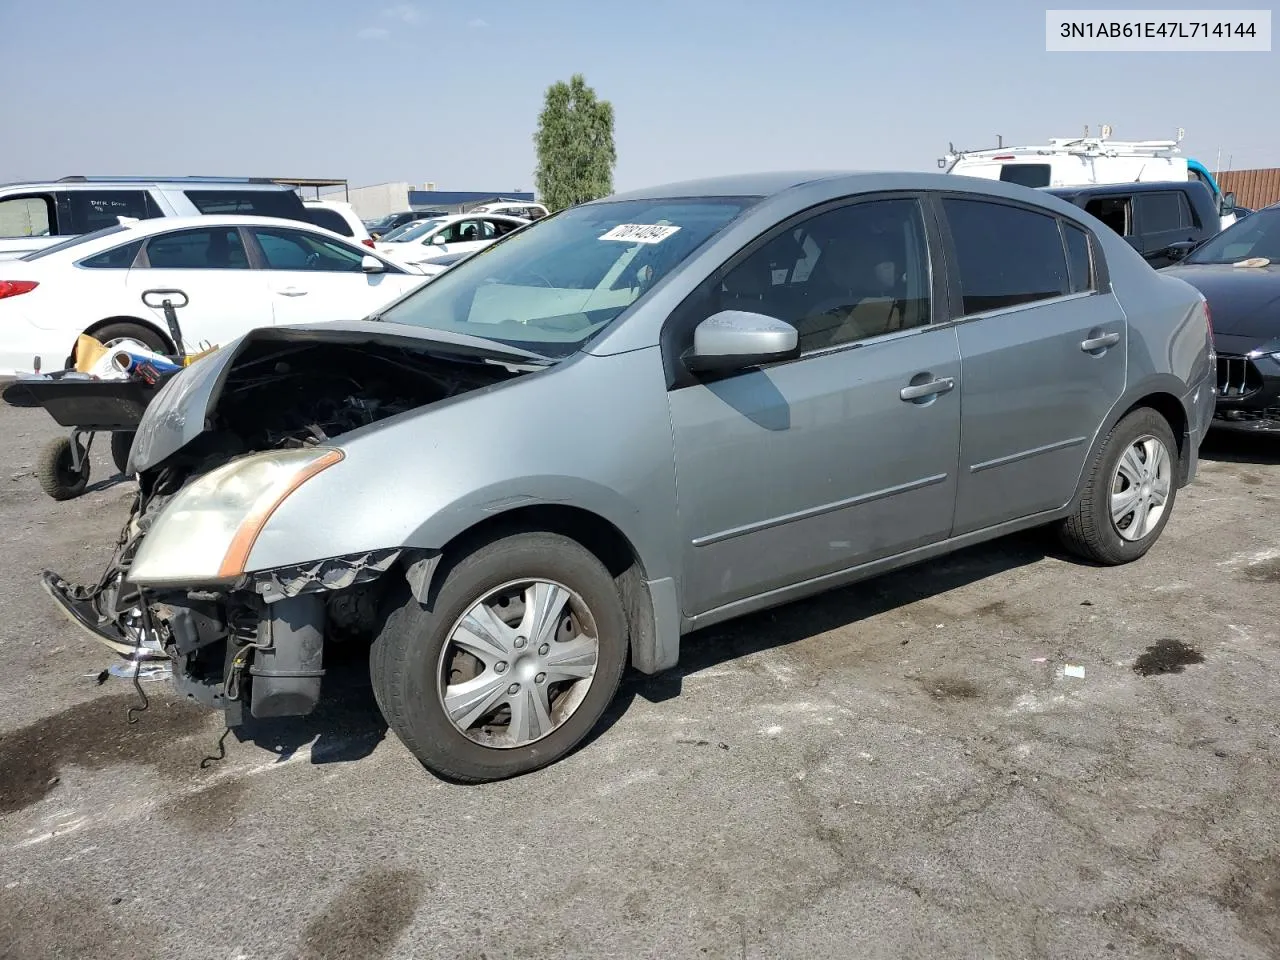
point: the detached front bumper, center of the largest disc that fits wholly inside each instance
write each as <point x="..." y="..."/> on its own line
<point x="1248" y="394"/>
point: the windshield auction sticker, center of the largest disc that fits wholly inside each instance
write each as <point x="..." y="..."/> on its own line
<point x="639" y="233"/>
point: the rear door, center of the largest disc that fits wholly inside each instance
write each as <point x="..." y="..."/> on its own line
<point x="211" y="267"/>
<point x="1043" y="344"/>
<point x="313" y="278"/>
<point x="1163" y="217"/>
<point x="1117" y="212"/>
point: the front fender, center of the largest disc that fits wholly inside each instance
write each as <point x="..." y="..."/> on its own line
<point x="594" y="434"/>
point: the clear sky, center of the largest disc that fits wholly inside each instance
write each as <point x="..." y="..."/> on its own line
<point x="449" y="92"/>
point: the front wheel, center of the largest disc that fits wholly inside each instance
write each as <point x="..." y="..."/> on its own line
<point x="1129" y="494"/>
<point x="516" y="660"/>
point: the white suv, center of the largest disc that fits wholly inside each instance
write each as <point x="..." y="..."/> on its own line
<point x="39" y="214"/>
<point x="340" y="217"/>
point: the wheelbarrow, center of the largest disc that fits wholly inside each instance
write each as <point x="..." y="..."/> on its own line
<point x="91" y="406"/>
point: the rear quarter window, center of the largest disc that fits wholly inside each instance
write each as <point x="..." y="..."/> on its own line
<point x="330" y="220"/>
<point x="255" y="203"/>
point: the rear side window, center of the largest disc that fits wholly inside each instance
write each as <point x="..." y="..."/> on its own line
<point x="30" y="216"/>
<point x="1079" y="262"/>
<point x="255" y="203"/>
<point x="119" y="258"/>
<point x="1006" y="255"/>
<point x="94" y="209"/>
<point x="1027" y="174"/>
<point x="214" y="249"/>
<point x="330" y="220"/>
<point x="1162" y="211"/>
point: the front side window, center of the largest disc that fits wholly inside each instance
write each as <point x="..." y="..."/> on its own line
<point x="463" y="231"/>
<point x="1257" y="235"/>
<point x="1026" y="174"/>
<point x="1006" y="256"/>
<point x="295" y="250"/>
<point x="844" y="275"/>
<point x="1160" y="212"/>
<point x="29" y="216"/>
<point x="94" y="209"/>
<point x="550" y="288"/>
<point x="217" y="248"/>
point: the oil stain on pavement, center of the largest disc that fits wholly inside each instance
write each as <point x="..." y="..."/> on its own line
<point x="1166" y="656"/>
<point x="95" y="734"/>
<point x="365" y="919"/>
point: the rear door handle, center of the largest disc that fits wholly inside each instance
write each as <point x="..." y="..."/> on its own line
<point x="1098" y="343"/>
<point x="291" y="292"/>
<point x="918" y="391"/>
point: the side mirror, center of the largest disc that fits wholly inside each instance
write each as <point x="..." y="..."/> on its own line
<point x="438" y="239"/>
<point x="1176" y="251"/>
<point x="1228" y="201"/>
<point x="735" y="339"/>
<point x="372" y="264"/>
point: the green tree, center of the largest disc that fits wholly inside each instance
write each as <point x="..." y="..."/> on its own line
<point x="574" y="141"/>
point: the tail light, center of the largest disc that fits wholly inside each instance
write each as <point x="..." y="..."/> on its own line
<point x="11" y="288"/>
<point x="368" y="243"/>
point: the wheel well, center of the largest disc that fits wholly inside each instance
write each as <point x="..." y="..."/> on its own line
<point x="1169" y="407"/>
<point x="609" y="544"/>
<point x="136" y="321"/>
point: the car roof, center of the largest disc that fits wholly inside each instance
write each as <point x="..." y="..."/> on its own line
<point x="1145" y="186"/>
<point x="77" y="182"/>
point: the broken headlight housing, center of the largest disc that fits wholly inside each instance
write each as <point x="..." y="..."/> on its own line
<point x="205" y="533"/>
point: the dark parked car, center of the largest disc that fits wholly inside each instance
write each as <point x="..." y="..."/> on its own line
<point x="1162" y="221"/>
<point x="393" y="220"/>
<point x="1238" y="271"/>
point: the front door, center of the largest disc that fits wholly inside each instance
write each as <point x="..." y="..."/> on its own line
<point x="225" y="298"/>
<point x="845" y="455"/>
<point x="312" y="278"/>
<point x="1043" y="347"/>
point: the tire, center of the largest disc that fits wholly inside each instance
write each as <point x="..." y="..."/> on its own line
<point x="408" y="663"/>
<point x="123" y="330"/>
<point x="121" y="443"/>
<point x="1092" y="532"/>
<point x="55" y="474"/>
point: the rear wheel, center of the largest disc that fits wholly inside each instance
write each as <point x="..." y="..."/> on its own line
<point x="1129" y="494"/>
<point x="123" y="330"/>
<point x="515" y="661"/>
<point x="55" y="471"/>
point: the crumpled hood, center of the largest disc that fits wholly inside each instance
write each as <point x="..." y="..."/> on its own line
<point x="179" y="412"/>
<point x="1245" y="301"/>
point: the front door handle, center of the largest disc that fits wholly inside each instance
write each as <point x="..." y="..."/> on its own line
<point x="291" y="292"/>
<point x="918" y="391"/>
<point x="1099" y="343"/>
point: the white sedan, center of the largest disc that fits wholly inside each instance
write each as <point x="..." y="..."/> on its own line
<point x="235" y="273"/>
<point x="440" y="236"/>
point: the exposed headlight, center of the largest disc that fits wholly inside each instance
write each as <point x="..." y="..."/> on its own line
<point x="205" y="533"/>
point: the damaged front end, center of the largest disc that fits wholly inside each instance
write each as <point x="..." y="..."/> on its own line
<point x="214" y="458"/>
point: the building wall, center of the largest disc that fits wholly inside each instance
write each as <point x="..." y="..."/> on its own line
<point x="1253" y="188"/>
<point x="376" y="200"/>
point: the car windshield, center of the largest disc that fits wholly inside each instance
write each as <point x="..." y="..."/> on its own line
<point x="1257" y="235"/>
<point x="554" y="284"/>
<point x="415" y="230"/>
<point x="399" y="231"/>
<point x="75" y="241"/>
